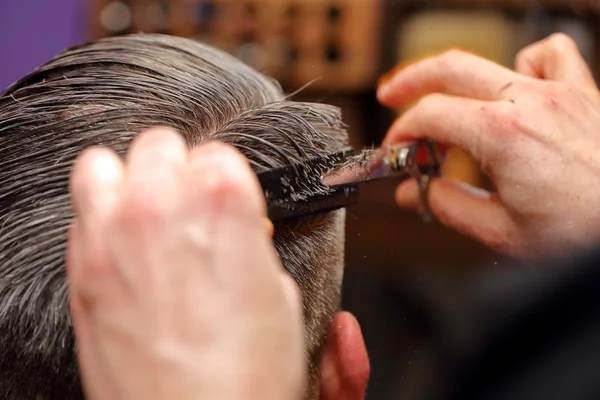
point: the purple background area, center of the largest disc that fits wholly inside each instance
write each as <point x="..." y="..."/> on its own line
<point x="33" y="31"/>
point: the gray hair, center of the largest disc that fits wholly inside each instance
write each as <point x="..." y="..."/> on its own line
<point x="104" y="93"/>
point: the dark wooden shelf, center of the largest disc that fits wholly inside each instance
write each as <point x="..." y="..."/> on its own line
<point x="332" y="45"/>
<point x="517" y="5"/>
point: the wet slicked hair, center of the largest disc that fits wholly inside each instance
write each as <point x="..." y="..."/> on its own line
<point x="104" y="93"/>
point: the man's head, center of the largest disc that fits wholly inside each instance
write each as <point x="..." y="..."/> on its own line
<point x="105" y="93"/>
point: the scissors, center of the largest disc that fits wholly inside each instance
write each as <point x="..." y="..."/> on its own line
<point x="326" y="183"/>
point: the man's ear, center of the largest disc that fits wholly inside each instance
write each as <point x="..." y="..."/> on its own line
<point x="345" y="368"/>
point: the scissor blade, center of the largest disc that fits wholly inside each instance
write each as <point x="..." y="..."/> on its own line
<point x="369" y="165"/>
<point x="413" y="159"/>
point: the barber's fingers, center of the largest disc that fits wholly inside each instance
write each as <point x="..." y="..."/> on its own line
<point x="472" y="125"/>
<point x="555" y="58"/>
<point x="453" y="72"/>
<point x="95" y="182"/>
<point x="221" y="172"/>
<point x="80" y="306"/>
<point x="223" y="198"/>
<point x="147" y="201"/>
<point x="155" y="162"/>
<point x="467" y="210"/>
<point x="224" y="212"/>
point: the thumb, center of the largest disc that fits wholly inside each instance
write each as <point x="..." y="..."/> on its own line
<point x="470" y="211"/>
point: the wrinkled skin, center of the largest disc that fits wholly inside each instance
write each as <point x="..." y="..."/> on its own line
<point x="534" y="130"/>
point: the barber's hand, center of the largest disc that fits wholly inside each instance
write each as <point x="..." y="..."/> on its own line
<point x="176" y="291"/>
<point x="535" y="131"/>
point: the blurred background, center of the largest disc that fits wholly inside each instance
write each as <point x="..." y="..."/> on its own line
<point x="396" y="264"/>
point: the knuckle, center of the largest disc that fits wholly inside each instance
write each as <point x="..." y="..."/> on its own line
<point x="490" y="114"/>
<point x="560" y="41"/>
<point x="566" y="99"/>
<point x="499" y="132"/>
<point x="558" y="95"/>
<point x="451" y="56"/>
<point x="503" y="118"/>
<point x="522" y="55"/>
<point x="552" y="92"/>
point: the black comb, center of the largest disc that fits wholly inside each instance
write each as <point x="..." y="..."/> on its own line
<point x="296" y="190"/>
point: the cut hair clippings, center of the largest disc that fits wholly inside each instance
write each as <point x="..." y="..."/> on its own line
<point x="322" y="184"/>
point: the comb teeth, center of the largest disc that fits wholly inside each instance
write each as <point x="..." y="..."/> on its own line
<point x="297" y="189"/>
<point x="301" y="181"/>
